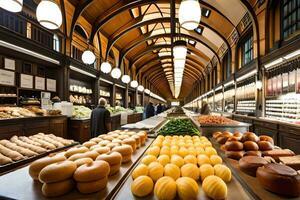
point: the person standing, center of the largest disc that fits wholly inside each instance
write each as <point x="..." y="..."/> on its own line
<point x="100" y="119"/>
<point x="205" y="108"/>
<point x="150" y="110"/>
<point x="159" y="109"/>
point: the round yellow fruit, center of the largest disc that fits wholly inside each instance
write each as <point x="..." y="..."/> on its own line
<point x="140" y="170"/>
<point x="166" y="143"/>
<point x="210" y="151"/>
<point x="206" y="170"/>
<point x="148" y="159"/>
<point x="190" y="170"/>
<point x="160" y="137"/>
<point x="215" y="159"/>
<point x="214" y="187"/>
<point x="190" y="159"/>
<point x="207" y="144"/>
<point x="165" y="150"/>
<point x="156" y="170"/>
<point x="183" y="152"/>
<point x="187" y="188"/>
<point x="142" y="186"/>
<point x="192" y="151"/>
<point x="153" y="151"/>
<point x="223" y="172"/>
<point x="165" y="188"/>
<point x="172" y="170"/>
<point x="203" y="159"/>
<point x="163" y="159"/>
<point x="177" y="160"/>
<point x="199" y="150"/>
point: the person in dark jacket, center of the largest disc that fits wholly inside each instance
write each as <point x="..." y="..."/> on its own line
<point x="100" y="119"/>
<point x="159" y="109"/>
<point x="150" y="110"/>
<point x="205" y="108"/>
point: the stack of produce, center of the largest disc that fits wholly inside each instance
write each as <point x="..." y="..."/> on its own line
<point x="18" y="148"/>
<point x="174" y="166"/>
<point x="94" y="162"/>
<point x="80" y="112"/>
<point x="238" y="145"/>
<point x="215" y="120"/>
<point x="179" y="127"/>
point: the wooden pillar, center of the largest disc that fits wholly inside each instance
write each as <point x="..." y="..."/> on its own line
<point x="126" y="97"/>
<point x="143" y="99"/>
<point x="64" y="79"/>
<point x="96" y="91"/>
<point x="113" y="95"/>
<point x="135" y="97"/>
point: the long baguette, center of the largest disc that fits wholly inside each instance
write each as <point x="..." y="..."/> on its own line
<point x="44" y="144"/>
<point x="66" y="142"/>
<point x="50" y="140"/>
<point x="4" y="159"/>
<point x="21" y="150"/>
<point x="14" y="155"/>
<point x="29" y="141"/>
<point x="31" y="147"/>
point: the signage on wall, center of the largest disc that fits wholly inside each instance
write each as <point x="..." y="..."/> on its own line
<point x="26" y="81"/>
<point x="39" y="83"/>
<point x="7" y="77"/>
<point x="9" y="64"/>
<point x="51" y="85"/>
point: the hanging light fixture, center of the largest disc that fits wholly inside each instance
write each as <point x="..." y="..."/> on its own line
<point x="105" y="67"/>
<point x="189" y="14"/>
<point x="88" y="57"/>
<point x="126" y="79"/>
<point x="180" y="49"/>
<point x="147" y="91"/>
<point x="49" y="14"/>
<point x="134" y="84"/>
<point x="116" y="73"/>
<point x="179" y="52"/>
<point x="259" y="84"/>
<point x="11" y="5"/>
<point x="140" y="88"/>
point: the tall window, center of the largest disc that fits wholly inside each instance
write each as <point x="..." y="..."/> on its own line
<point x="290" y="17"/>
<point x="248" y="50"/>
<point x="56" y="45"/>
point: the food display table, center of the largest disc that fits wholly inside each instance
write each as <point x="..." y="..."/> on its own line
<point x="23" y="187"/>
<point x="79" y="129"/>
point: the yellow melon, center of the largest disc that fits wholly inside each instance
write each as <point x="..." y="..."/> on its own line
<point x="206" y="170"/>
<point x="215" y="159"/>
<point x="210" y="151"/>
<point x="177" y="160"/>
<point x="223" y="172"/>
<point x="172" y="170"/>
<point x="187" y="188"/>
<point x="165" y="188"/>
<point x="183" y="152"/>
<point x="203" y="159"/>
<point x="199" y="150"/>
<point x="148" y="159"/>
<point x="165" y="150"/>
<point x="163" y="159"/>
<point x="140" y="170"/>
<point x="214" y="187"/>
<point x="142" y="186"/>
<point x="190" y="170"/>
<point x="153" y="151"/>
<point x="190" y="159"/>
<point x="156" y="170"/>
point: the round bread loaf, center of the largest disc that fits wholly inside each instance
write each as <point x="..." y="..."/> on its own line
<point x="131" y="142"/>
<point x="265" y="145"/>
<point x="234" y="146"/>
<point x="92" y="172"/>
<point x="88" y="144"/>
<point x="116" y="140"/>
<point x="233" y="138"/>
<point x="114" y="169"/>
<point x="96" y="139"/>
<point x="227" y="134"/>
<point x="142" y="138"/>
<point x="89" y="154"/>
<point x="253" y="153"/>
<point x="234" y="154"/>
<point x="108" y="137"/>
<point x="250" y="146"/>
<point x="113" y="158"/>
<point x="82" y="161"/>
<point x="216" y="134"/>
<point x="58" y="188"/>
<point x="104" y="143"/>
<point x="238" y="134"/>
<point x="93" y="186"/>
<point x="222" y="139"/>
<point x="56" y="172"/>
<point x="137" y="140"/>
<point x="249" y="136"/>
<point x="112" y="145"/>
<point x="279" y="179"/>
<point x="36" y="166"/>
<point x="266" y="138"/>
<point x="101" y="150"/>
<point x="249" y="164"/>
<point x="126" y="158"/>
<point x="75" y="150"/>
<point x="124" y="150"/>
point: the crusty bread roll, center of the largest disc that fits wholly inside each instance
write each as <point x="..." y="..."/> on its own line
<point x="29" y="141"/>
<point x="50" y="140"/>
<point x="4" y="159"/>
<point x="234" y="146"/>
<point x="56" y="172"/>
<point x="29" y="146"/>
<point x="65" y="142"/>
<point x="97" y="140"/>
<point x="265" y="145"/>
<point x="88" y="144"/>
<point x="43" y="143"/>
<point x="238" y="134"/>
<point x="253" y="153"/>
<point x="92" y="172"/>
<point x="222" y="139"/>
<point x="75" y="150"/>
<point x="116" y="140"/>
<point x="36" y="166"/>
<point x="104" y="143"/>
<point x="137" y="140"/>
<point x="114" y="169"/>
<point x="58" y="188"/>
<point x="216" y="134"/>
<point x="266" y="138"/>
<point x="21" y="150"/>
<point x="131" y="142"/>
<point x="100" y="149"/>
<point x="142" y="138"/>
<point x="249" y="136"/>
<point x="108" y="137"/>
<point x="111" y="145"/>
<point x="126" y="159"/>
<point x="250" y="146"/>
<point x="82" y="161"/>
<point x="233" y="138"/>
<point x="14" y="155"/>
<point x="124" y="150"/>
<point x="123" y="137"/>
<point x="113" y="158"/>
<point x="93" y="186"/>
<point x="89" y="154"/>
<point x="234" y="154"/>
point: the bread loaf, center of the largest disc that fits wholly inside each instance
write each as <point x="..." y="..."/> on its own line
<point x="14" y="155"/>
<point x="250" y="146"/>
<point x="58" y="188"/>
<point x="249" y="164"/>
<point x="61" y="140"/>
<point x="253" y="153"/>
<point x="4" y="159"/>
<point x="266" y="138"/>
<point x="131" y="142"/>
<point x="234" y="146"/>
<point x="265" y="145"/>
<point x="82" y="161"/>
<point x="49" y="140"/>
<point x="89" y="144"/>
<point x="125" y="150"/>
<point x="114" y="169"/>
<point x="21" y="150"/>
<point x="29" y="146"/>
<point x="93" y="186"/>
<point x="234" y="154"/>
<point x="92" y="172"/>
<point x="113" y="158"/>
<point x="43" y="143"/>
<point x="89" y="154"/>
<point x="249" y="136"/>
<point x="100" y="150"/>
<point x="29" y="141"/>
<point x="75" y="150"/>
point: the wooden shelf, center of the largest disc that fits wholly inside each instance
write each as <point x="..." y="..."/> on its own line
<point x="80" y="93"/>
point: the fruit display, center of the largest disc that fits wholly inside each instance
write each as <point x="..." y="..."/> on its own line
<point x="215" y="120"/>
<point x="88" y="167"/>
<point x="80" y="112"/>
<point x="179" y="127"/>
<point x="177" y="165"/>
<point x="21" y="147"/>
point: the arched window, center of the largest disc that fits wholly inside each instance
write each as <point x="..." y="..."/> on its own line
<point x="56" y="43"/>
<point x="80" y="31"/>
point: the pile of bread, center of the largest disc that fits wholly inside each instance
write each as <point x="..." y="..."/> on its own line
<point x="86" y="166"/>
<point x="211" y="119"/>
<point x="173" y="166"/>
<point x="22" y="147"/>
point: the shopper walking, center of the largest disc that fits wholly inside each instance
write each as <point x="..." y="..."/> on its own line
<point x="100" y="119"/>
<point x="150" y="110"/>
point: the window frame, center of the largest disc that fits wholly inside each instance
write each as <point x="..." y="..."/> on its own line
<point x="287" y="32"/>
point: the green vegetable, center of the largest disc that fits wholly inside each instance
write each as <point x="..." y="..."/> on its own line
<point x="179" y="127"/>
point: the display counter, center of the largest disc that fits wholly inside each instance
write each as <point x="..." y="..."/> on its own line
<point x="27" y="126"/>
<point x="79" y="129"/>
<point x="134" y="117"/>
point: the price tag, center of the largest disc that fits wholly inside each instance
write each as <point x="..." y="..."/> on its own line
<point x="51" y="85"/>
<point x="7" y="77"/>
<point x="9" y="64"/>
<point x="26" y="81"/>
<point x="39" y="83"/>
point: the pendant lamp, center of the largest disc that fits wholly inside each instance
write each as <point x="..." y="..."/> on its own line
<point x="49" y="14"/>
<point x="140" y="88"/>
<point x="189" y="14"/>
<point x="116" y="73"/>
<point x="125" y="79"/>
<point x="105" y="67"/>
<point x="88" y="57"/>
<point x="134" y="84"/>
<point x="12" y="5"/>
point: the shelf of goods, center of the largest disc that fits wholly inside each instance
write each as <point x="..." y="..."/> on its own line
<point x="265" y="170"/>
<point x="229" y="94"/>
<point x="245" y="95"/>
<point x="218" y="103"/>
<point x="83" y="172"/>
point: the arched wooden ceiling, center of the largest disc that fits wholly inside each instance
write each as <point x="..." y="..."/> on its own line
<point x="140" y="29"/>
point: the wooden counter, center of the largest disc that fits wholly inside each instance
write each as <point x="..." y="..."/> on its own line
<point x="19" y="185"/>
<point x="134" y="117"/>
<point x="79" y="130"/>
<point x="56" y="125"/>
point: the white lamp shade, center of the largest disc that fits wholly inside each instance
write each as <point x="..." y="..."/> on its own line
<point x="105" y="67"/>
<point x="116" y="73"/>
<point x="140" y="88"/>
<point x="147" y="91"/>
<point x="126" y="79"/>
<point x="180" y="51"/>
<point x="134" y="84"/>
<point x="189" y="14"/>
<point x="12" y="5"/>
<point x="88" y="57"/>
<point x="49" y="14"/>
<point x="258" y="85"/>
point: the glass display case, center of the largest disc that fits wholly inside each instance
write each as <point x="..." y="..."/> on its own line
<point x="245" y="95"/>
